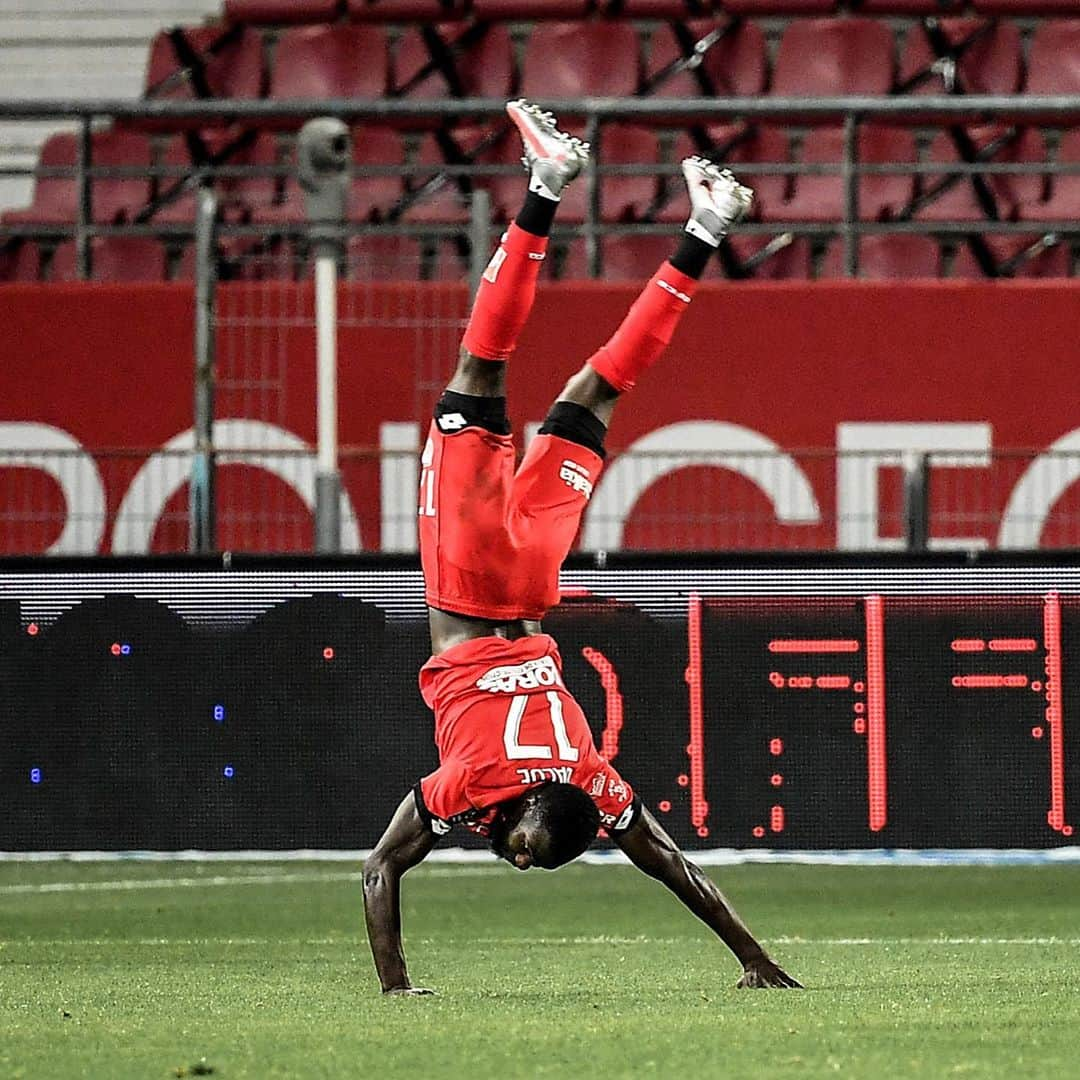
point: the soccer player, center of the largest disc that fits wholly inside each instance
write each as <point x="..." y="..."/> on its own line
<point x="517" y="760"/>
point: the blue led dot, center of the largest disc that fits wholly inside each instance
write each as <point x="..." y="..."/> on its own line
<point x="125" y="650"/>
<point x="228" y="772"/>
<point x="35" y="776"/>
<point x="219" y="713"/>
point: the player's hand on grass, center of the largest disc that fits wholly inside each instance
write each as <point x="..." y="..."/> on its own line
<point x="408" y="991"/>
<point x="763" y="973"/>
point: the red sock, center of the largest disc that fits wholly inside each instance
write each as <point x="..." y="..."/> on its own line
<point x="647" y="329"/>
<point x="505" y="296"/>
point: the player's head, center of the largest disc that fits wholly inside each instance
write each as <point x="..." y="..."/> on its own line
<point x="547" y="827"/>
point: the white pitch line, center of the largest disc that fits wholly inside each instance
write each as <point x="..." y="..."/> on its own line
<point x="222" y="879"/>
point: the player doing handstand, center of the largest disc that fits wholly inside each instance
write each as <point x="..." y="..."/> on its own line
<point x="517" y="759"/>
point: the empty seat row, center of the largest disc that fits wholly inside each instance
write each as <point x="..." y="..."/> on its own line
<point x="280" y="12"/>
<point x="816" y="57"/>
<point x="422" y="177"/>
<point x="622" y="259"/>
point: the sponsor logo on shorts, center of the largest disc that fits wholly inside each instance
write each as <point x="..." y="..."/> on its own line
<point x="558" y="774"/>
<point x="577" y="477"/>
<point x="671" y="289"/>
<point x="452" y="422"/>
<point x="440" y="827"/>
<point x="532" y="675"/>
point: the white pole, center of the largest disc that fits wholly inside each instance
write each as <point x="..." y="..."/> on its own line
<point x="327" y="480"/>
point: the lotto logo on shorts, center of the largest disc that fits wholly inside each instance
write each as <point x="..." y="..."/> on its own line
<point x="577" y="477"/>
<point x="452" y="422"/>
<point x="532" y="675"/>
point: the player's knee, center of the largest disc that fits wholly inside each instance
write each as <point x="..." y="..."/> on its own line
<point x="576" y="424"/>
<point x="455" y="411"/>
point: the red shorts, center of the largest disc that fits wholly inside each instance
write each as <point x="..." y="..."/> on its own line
<point x="492" y="540"/>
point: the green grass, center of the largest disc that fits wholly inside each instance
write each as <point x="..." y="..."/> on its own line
<point x="592" y="972"/>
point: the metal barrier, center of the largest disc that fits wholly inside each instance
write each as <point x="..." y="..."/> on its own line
<point x="939" y="112"/>
<point x="55" y="501"/>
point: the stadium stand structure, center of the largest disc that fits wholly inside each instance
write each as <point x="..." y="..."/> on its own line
<point x="420" y="173"/>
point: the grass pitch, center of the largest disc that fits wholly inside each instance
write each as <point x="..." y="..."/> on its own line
<point x="144" y="970"/>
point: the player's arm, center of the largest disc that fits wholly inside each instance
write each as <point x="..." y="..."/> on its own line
<point x="405" y="843"/>
<point x="652" y="851"/>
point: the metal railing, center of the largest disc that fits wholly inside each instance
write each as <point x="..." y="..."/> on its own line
<point x="130" y="501"/>
<point x="594" y="114"/>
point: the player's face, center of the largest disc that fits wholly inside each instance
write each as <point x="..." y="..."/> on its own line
<point x="509" y="838"/>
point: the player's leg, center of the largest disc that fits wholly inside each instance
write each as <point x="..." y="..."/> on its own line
<point x="717" y="202"/>
<point x="508" y="286"/>
<point x="556" y="477"/>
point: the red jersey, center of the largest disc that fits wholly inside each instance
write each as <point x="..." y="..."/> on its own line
<point x="505" y="723"/>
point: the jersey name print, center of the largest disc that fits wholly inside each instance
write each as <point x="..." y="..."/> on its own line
<point x="505" y="722"/>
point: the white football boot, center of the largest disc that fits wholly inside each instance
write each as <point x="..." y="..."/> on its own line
<point x="552" y="157"/>
<point x="717" y="200"/>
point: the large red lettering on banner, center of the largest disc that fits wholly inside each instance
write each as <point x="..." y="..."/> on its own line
<point x="764" y="384"/>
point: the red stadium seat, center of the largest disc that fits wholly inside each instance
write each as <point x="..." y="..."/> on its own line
<point x="882" y="258"/>
<point x="435" y="196"/>
<point x="779" y="7"/>
<point x="20" y="261"/>
<point x="258" y="192"/>
<point x="1025" y="7"/>
<point x="282" y="11"/>
<point x="530" y="9"/>
<point x="1054" y="58"/>
<point x="373" y="196"/>
<point x="319" y="62"/>
<point x="1010" y="193"/>
<point x="477" y="63"/>
<point x="733" y="66"/>
<point x="788" y="262"/>
<point x="567" y="260"/>
<point x="406" y="11"/>
<point x="634" y="258"/>
<point x="1016" y="256"/>
<point x="881" y="196"/>
<point x="383" y="258"/>
<point x="232" y="65"/>
<point x="991" y="64"/>
<point x="910" y="7"/>
<point x="448" y="262"/>
<point x="1064" y="201"/>
<point x="742" y="147"/>
<point x="113" y="258"/>
<point x="658" y="9"/>
<point x="112" y="199"/>
<point x="833" y="57"/>
<point x="568" y="60"/>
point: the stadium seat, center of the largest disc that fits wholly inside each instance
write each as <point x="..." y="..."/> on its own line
<point x="779" y="7"/>
<point x="282" y="11"/>
<point x="476" y="63"/>
<point x="319" y="62"/>
<point x="1016" y="256"/>
<point x="832" y="57"/>
<point x="1054" y="58"/>
<point x="530" y="9"/>
<point x="406" y="11"/>
<point x="658" y="9"/>
<point x="372" y="197"/>
<point x="790" y="261"/>
<point x="114" y="258"/>
<point x="634" y="258"/>
<point x="112" y="200"/>
<point x="1064" y="201"/>
<point x="910" y="7"/>
<point x="433" y="195"/>
<point x="742" y="147"/>
<point x="882" y="258"/>
<point x="960" y="201"/>
<point x="567" y="260"/>
<point x="258" y="192"/>
<point x="375" y="257"/>
<point x="733" y="66"/>
<point x="231" y="65"/>
<point x="569" y="60"/>
<point x="992" y="62"/>
<point x="448" y="262"/>
<point x="20" y="261"/>
<point x="1025" y="7"/>
<point x="881" y="196"/>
